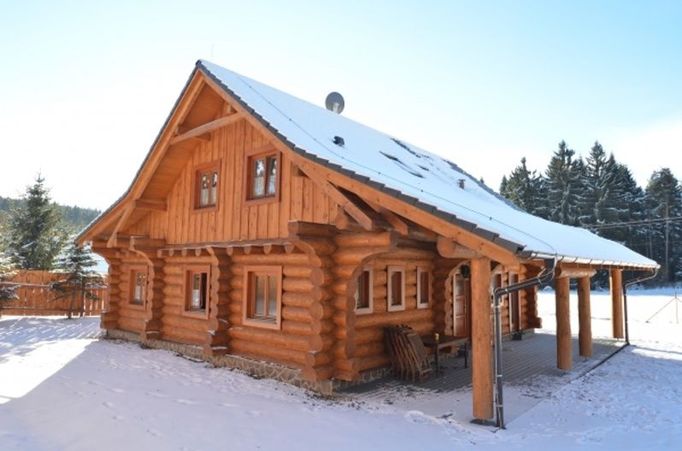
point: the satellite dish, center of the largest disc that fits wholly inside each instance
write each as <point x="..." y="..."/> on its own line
<point x="334" y="102"/>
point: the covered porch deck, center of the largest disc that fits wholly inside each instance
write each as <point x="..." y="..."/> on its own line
<point x="530" y="374"/>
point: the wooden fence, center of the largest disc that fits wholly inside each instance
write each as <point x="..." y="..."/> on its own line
<point x="37" y="298"/>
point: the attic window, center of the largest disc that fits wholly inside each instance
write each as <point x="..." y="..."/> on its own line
<point x="206" y="186"/>
<point x="402" y="165"/>
<point x="263" y="176"/>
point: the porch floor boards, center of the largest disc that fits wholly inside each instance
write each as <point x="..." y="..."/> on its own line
<point x="523" y="360"/>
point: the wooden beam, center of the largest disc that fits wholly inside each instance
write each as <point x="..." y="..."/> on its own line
<point x="584" y="317"/>
<point x="337" y="196"/>
<point x="151" y="204"/>
<point x="564" y="355"/>
<point x="447" y="248"/>
<point x="575" y="272"/>
<point x="111" y="242"/>
<point x="481" y="340"/>
<point x="617" y="303"/>
<point x="393" y="219"/>
<point x="206" y="128"/>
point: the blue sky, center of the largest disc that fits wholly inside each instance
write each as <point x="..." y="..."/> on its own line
<point x="85" y="86"/>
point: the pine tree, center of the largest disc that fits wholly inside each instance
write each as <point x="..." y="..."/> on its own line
<point x="7" y="292"/>
<point x="35" y="235"/>
<point x="77" y="264"/>
<point x="525" y="189"/>
<point x="664" y="200"/>
<point x="564" y="178"/>
<point x="599" y="191"/>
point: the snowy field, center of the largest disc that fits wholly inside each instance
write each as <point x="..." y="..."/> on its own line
<point x="62" y="388"/>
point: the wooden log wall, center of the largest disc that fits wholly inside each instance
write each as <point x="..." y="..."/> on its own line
<point x="369" y="349"/>
<point x="234" y="218"/>
<point x="131" y="317"/>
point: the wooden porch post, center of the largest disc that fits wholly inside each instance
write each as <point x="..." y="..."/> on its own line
<point x="563" y="324"/>
<point x="584" y="317"/>
<point x="617" y="303"/>
<point x="481" y="340"/>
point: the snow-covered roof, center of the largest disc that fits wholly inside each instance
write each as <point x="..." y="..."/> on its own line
<point x="408" y="172"/>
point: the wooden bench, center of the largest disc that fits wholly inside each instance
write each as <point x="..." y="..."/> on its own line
<point x="439" y="342"/>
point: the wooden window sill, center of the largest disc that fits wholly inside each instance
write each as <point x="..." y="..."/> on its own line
<point x="196" y="314"/>
<point x="261" y="323"/>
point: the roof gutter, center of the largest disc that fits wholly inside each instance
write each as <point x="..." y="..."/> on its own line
<point x="543" y="278"/>
<point x="588" y="261"/>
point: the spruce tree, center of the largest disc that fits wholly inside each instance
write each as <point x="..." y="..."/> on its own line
<point x="525" y="189"/>
<point x="564" y="179"/>
<point x="7" y="292"/>
<point x="664" y="200"/>
<point x="77" y="264"/>
<point x="35" y="236"/>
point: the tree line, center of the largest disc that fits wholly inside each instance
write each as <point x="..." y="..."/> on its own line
<point x="600" y="193"/>
<point x="35" y="235"/>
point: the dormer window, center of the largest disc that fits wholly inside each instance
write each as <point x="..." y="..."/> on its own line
<point x="263" y="176"/>
<point x="207" y="183"/>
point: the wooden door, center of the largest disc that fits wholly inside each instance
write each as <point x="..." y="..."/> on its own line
<point x="460" y="305"/>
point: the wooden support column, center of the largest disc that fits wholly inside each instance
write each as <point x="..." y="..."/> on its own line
<point x="584" y="317"/>
<point x="617" y="303"/>
<point x="218" y="306"/>
<point x="481" y="340"/>
<point x="563" y="324"/>
<point x="153" y="309"/>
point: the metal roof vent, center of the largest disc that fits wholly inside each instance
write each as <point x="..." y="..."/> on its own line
<point x="339" y="141"/>
<point x="334" y="102"/>
<point x="461" y="183"/>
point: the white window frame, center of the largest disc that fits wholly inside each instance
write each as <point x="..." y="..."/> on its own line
<point x="370" y="307"/>
<point x="389" y="291"/>
<point x="420" y="303"/>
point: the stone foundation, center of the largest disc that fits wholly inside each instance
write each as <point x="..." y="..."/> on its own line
<point x="254" y="368"/>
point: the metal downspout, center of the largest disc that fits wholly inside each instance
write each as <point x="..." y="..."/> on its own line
<point x="625" y="299"/>
<point x="544" y="277"/>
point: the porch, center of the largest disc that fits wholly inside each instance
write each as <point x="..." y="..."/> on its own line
<point x="530" y="374"/>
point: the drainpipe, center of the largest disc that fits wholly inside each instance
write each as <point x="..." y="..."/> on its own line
<point x="631" y="282"/>
<point x="543" y="278"/>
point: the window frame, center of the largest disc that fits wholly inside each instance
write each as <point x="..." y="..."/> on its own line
<point x="250" y="157"/>
<point x="370" y="293"/>
<point x="248" y="296"/>
<point x="212" y="167"/>
<point x="133" y="270"/>
<point x="390" y="270"/>
<point x="420" y="303"/>
<point x="190" y="271"/>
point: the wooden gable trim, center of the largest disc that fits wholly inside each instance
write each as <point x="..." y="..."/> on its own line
<point x="367" y="192"/>
<point x="393" y="219"/>
<point x="121" y="221"/>
<point x="206" y="128"/>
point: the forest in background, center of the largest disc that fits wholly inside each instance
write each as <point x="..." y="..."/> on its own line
<point x="599" y="193"/>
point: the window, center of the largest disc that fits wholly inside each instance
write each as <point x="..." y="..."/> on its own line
<point x="396" y="288"/>
<point x="423" y="287"/>
<point x="263" y="296"/>
<point x="363" y="292"/>
<point x="197" y="290"/>
<point x="138" y="285"/>
<point x="263" y="176"/>
<point x="206" y="187"/>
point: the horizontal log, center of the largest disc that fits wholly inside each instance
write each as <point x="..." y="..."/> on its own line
<point x="183" y="336"/>
<point x="388" y="318"/>
<point x="268" y="338"/>
<point x="185" y="322"/>
<point x="130" y="325"/>
<point x="373" y="362"/>
<point x="321" y="343"/>
<point x="297" y="285"/>
<point x="354" y="255"/>
<point x="296" y="328"/>
<point x="272" y="259"/>
<point x="315" y="359"/>
<point x="297" y="271"/>
<point x="300" y="314"/>
<point x="374" y="348"/>
<point x="321" y="311"/>
<point x="297" y="299"/>
<point x="289" y="357"/>
<point x="322" y="327"/>
<point x="365" y="240"/>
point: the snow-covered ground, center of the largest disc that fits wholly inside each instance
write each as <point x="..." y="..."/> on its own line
<point x="62" y="388"/>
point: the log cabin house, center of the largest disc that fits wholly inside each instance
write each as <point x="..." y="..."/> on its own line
<point x="268" y="234"/>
